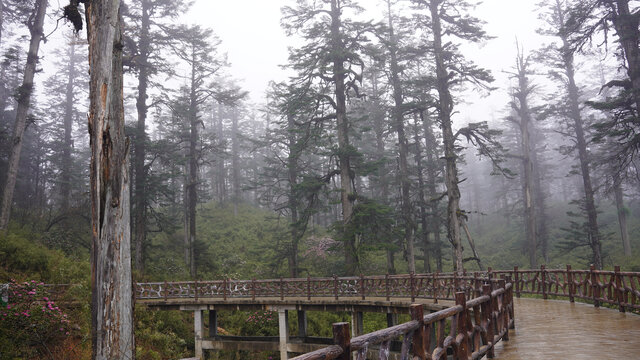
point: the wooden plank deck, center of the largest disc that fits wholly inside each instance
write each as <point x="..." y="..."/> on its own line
<point x="553" y="329"/>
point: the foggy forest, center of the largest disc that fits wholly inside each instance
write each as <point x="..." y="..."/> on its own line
<point x="182" y="140"/>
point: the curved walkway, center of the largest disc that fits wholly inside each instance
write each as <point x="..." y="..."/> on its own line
<point x="553" y="329"/>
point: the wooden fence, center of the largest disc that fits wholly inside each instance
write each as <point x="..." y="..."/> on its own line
<point x="437" y="286"/>
<point x="467" y="330"/>
<point x="616" y="288"/>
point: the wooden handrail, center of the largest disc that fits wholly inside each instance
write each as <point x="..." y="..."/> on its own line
<point x="470" y="338"/>
<point x="616" y="288"/>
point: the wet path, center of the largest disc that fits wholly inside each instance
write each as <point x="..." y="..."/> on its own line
<point x="561" y="330"/>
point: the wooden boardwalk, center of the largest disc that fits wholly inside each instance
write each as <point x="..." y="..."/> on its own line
<point x="554" y="329"/>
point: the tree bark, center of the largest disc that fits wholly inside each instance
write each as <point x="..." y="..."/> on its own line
<point x="445" y="107"/>
<point x="24" y="101"/>
<point x="347" y="196"/>
<point x="112" y="295"/>
<point x="141" y="138"/>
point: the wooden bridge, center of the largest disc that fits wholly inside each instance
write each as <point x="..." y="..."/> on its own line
<point x="459" y="316"/>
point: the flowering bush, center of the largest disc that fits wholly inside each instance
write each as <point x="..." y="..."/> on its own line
<point x="31" y="323"/>
<point x="261" y="323"/>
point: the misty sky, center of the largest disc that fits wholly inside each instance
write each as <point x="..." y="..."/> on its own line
<point x="256" y="44"/>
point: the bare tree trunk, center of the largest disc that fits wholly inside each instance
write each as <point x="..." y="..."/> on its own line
<point x="622" y="215"/>
<point x="444" y="111"/>
<point x="141" y="138"/>
<point x="24" y="101"/>
<point x="65" y="190"/>
<point x="112" y="295"/>
<point x="347" y="196"/>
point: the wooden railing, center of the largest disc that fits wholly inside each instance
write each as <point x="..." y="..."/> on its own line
<point x="468" y="330"/>
<point x="616" y="288"/>
<point x="437" y="286"/>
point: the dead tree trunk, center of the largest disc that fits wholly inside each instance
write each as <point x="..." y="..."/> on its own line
<point x="36" y="24"/>
<point x="112" y="296"/>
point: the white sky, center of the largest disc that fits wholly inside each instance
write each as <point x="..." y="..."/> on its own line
<point x="255" y="43"/>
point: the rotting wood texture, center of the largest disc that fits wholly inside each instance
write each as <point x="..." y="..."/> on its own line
<point x="112" y="295"/>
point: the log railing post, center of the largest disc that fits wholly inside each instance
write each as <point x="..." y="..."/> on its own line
<point x="487" y="315"/>
<point x="571" y="285"/>
<point x="386" y="286"/>
<point x="413" y="285"/>
<point x="455" y="283"/>
<point x="362" y="286"/>
<point x="595" y="288"/>
<point x="166" y="290"/>
<point x="543" y="275"/>
<point x="224" y="289"/>
<point x="195" y="289"/>
<point x="464" y="348"/>
<point x="435" y="288"/>
<point x="476" y="284"/>
<point x="619" y="289"/>
<point x="281" y="289"/>
<point x="342" y="338"/>
<point x="335" y="286"/>
<point x="489" y="273"/>
<point x="420" y="335"/>
<point x="512" y="322"/>
<point x="253" y="289"/>
<point x="308" y="287"/>
<point x="506" y="316"/>
<point x="516" y="276"/>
